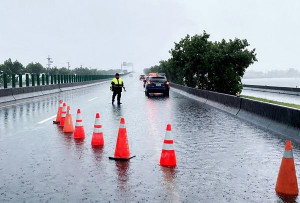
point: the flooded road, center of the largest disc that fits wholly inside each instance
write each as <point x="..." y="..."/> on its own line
<point x="219" y="157"/>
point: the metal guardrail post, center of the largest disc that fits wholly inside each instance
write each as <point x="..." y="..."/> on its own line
<point x="43" y="79"/>
<point x="47" y="79"/>
<point x="27" y="80"/>
<point x="13" y="80"/>
<point x="5" y="80"/>
<point x="51" y="79"/>
<point x="55" y="79"/>
<point x="58" y="79"/>
<point x="38" y="79"/>
<point x="20" y="80"/>
<point x="32" y="80"/>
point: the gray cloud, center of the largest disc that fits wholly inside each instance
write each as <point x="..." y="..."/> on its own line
<point x="102" y="34"/>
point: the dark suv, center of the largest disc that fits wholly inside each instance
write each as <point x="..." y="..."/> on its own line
<point x="157" y="84"/>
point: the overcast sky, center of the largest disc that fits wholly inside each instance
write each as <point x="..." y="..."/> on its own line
<point x="101" y="34"/>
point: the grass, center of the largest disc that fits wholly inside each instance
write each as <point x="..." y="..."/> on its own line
<point x="296" y="106"/>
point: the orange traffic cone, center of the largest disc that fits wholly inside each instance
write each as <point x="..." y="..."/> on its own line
<point x="58" y="116"/>
<point x="63" y="115"/>
<point x="287" y="180"/>
<point x="122" y="152"/>
<point x="68" y="126"/>
<point x="168" y="156"/>
<point x="97" y="138"/>
<point x="79" y="129"/>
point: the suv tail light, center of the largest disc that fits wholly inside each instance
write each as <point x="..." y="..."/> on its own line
<point x="167" y="83"/>
<point x="148" y="82"/>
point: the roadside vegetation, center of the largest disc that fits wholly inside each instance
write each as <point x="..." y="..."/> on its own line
<point x="216" y="66"/>
<point x="16" y="67"/>
<point x="272" y="101"/>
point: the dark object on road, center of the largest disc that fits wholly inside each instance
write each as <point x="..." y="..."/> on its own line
<point x="157" y="85"/>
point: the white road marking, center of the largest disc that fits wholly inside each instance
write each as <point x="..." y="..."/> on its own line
<point x="47" y="119"/>
<point x="93" y="99"/>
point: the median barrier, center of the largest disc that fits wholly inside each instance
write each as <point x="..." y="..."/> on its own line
<point x="12" y="94"/>
<point x="16" y="91"/>
<point x="68" y="86"/>
<point x="276" y="118"/>
<point x="273" y="89"/>
<point x="281" y="120"/>
<point x="6" y="95"/>
<point x="50" y="89"/>
<point x="201" y="94"/>
<point x="225" y="102"/>
<point x="28" y="92"/>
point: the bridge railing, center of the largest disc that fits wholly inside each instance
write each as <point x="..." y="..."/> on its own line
<point x="27" y="80"/>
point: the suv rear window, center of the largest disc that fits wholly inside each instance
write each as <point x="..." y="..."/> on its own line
<point x="158" y="79"/>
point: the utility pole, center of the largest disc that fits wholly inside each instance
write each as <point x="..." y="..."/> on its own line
<point x="49" y="62"/>
<point x="68" y="65"/>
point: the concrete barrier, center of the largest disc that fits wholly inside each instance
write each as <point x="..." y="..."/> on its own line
<point x="281" y="120"/>
<point x="28" y="92"/>
<point x="50" y="89"/>
<point x="288" y="89"/>
<point x="224" y="102"/>
<point x="6" y="95"/>
<point x="201" y="94"/>
<point x="12" y="94"/>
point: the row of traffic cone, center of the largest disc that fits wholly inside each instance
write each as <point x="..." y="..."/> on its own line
<point x="286" y="182"/>
<point x="122" y="152"/>
<point x="64" y="119"/>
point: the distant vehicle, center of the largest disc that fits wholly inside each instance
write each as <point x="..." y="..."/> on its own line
<point x="157" y="84"/>
<point x="142" y="77"/>
<point x="130" y="75"/>
<point x="153" y="74"/>
<point x="161" y="74"/>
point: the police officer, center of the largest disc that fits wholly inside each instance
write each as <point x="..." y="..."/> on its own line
<point x="116" y="86"/>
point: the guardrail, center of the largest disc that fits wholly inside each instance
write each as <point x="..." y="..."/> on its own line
<point x="14" y="80"/>
<point x="265" y="87"/>
<point x="279" y="119"/>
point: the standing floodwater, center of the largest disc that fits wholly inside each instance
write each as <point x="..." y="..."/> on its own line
<point x="219" y="157"/>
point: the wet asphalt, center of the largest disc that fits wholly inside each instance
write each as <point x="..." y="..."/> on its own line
<point x="220" y="158"/>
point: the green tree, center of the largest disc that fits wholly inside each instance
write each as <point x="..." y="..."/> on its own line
<point x="64" y="71"/>
<point x="217" y="66"/>
<point x="52" y="71"/>
<point x="10" y="67"/>
<point x="35" y="68"/>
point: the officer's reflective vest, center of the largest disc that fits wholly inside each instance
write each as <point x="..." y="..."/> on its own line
<point x="117" y="84"/>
